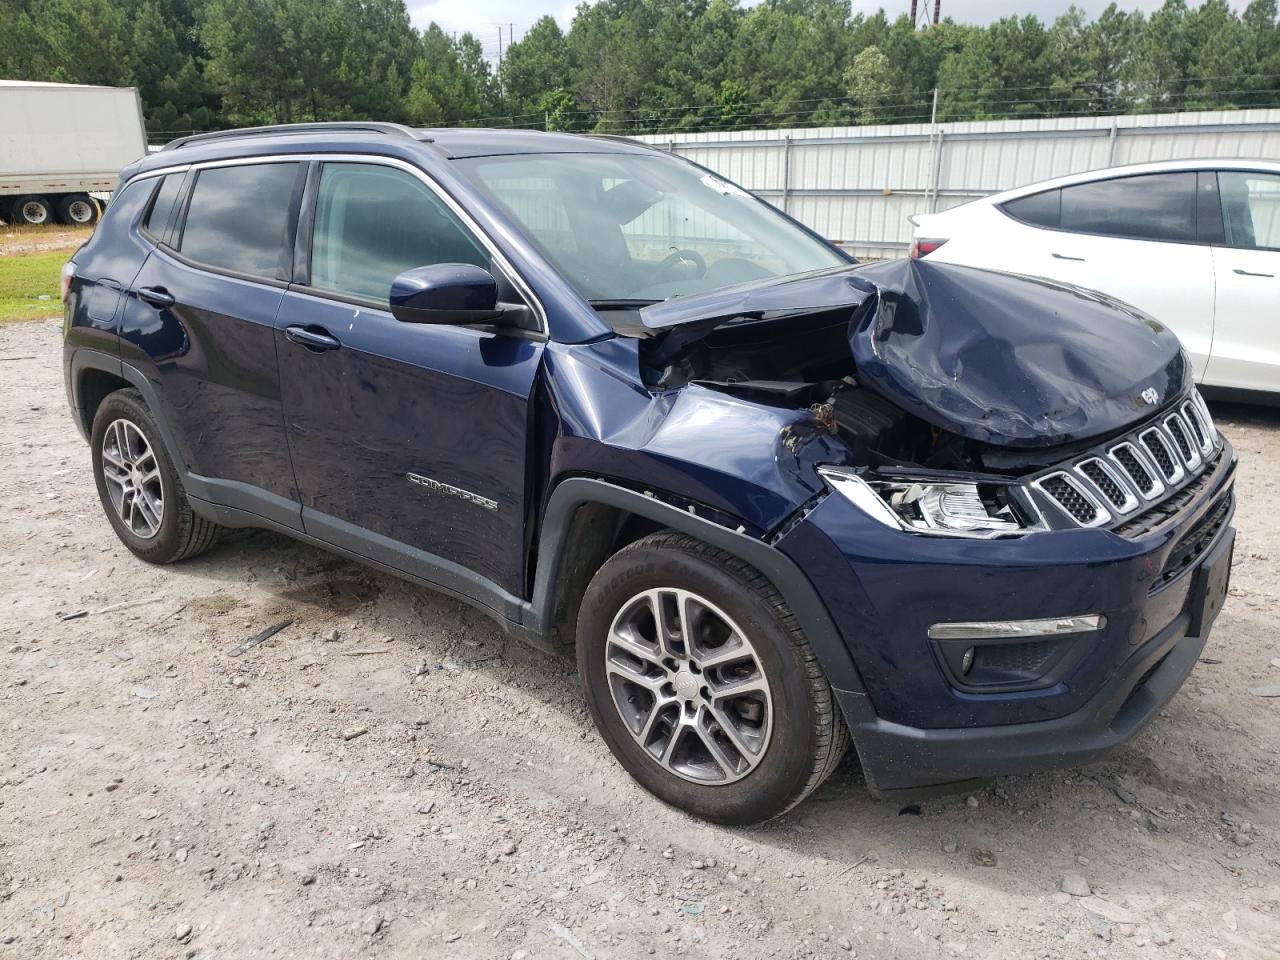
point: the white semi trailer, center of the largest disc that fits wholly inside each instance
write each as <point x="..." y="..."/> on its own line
<point x="61" y="143"/>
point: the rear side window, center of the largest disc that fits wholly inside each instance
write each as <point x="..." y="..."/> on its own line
<point x="157" y="221"/>
<point x="239" y="219"/>
<point x="373" y="223"/>
<point x="1039" y="209"/>
<point x="1154" y="206"/>
<point x="1251" y="209"/>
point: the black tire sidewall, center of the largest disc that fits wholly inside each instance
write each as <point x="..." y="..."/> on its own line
<point x="168" y="541"/>
<point x="64" y="210"/>
<point x="787" y="766"/>
<point x="15" y="210"/>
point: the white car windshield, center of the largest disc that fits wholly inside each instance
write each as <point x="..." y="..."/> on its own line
<point x="626" y="229"/>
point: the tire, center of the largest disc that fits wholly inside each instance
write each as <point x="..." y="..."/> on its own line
<point x="155" y="522"/>
<point x="788" y="731"/>
<point x="30" y="211"/>
<point x="77" y="210"/>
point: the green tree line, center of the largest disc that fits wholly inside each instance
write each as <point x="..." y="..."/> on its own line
<point x="628" y="66"/>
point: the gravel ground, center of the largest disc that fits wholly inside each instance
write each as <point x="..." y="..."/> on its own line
<point x="24" y="239"/>
<point x="388" y="776"/>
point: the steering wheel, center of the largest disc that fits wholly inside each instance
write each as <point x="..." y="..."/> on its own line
<point x="677" y="257"/>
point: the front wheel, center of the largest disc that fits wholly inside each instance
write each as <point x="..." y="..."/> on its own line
<point x="702" y="683"/>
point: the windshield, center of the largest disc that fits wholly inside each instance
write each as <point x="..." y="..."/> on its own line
<point x="628" y="229"/>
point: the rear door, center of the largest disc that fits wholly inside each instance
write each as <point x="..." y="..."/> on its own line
<point x="1246" y="343"/>
<point x="409" y="441"/>
<point x="200" y="324"/>
<point x="1133" y="238"/>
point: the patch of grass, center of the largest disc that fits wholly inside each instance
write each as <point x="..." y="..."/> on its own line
<point x="24" y="278"/>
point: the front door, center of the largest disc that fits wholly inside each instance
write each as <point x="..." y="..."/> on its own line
<point x="1246" y="342"/>
<point x="409" y="441"/>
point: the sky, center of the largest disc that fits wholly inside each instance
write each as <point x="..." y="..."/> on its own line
<point x="483" y="17"/>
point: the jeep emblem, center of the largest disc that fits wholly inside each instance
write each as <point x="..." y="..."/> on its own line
<point x="1151" y="396"/>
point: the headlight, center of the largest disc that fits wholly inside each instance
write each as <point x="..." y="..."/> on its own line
<point x="981" y="509"/>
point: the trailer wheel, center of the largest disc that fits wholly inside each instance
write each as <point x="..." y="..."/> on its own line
<point x="35" y="211"/>
<point x="77" y="210"/>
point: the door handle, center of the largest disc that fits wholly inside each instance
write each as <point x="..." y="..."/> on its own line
<point x="1250" y="273"/>
<point x="318" y="339"/>
<point x="157" y="296"/>
<point x="1063" y="256"/>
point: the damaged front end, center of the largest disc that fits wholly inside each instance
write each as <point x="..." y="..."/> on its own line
<point x="956" y="394"/>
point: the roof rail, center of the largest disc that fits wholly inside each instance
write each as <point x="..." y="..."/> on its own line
<point x="346" y="126"/>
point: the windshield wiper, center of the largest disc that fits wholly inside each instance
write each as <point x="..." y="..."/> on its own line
<point x="622" y="304"/>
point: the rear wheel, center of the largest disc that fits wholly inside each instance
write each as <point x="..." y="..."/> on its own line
<point x="77" y="210"/>
<point x="32" y="211"/>
<point x="702" y="683"/>
<point x="141" y="492"/>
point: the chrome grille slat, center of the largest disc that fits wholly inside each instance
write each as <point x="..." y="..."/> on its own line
<point x="1143" y="474"/>
<point x="1074" y="499"/>
<point x="1139" y="474"/>
<point x="1201" y="433"/>
<point x="1180" y="433"/>
<point x="1160" y="450"/>
<point x="1207" y="419"/>
<point x="1107" y="481"/>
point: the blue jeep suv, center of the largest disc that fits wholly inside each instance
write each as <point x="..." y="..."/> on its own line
<point x="775" y="502"/>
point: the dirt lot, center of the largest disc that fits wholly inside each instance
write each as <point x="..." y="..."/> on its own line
<point x="389" y="777"/>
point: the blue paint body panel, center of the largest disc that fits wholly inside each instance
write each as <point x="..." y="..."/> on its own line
<point x="443" y="402"/>
<point x="885" y="588"/>
<point x="442" y="452"/>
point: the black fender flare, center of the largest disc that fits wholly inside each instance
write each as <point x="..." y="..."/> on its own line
<point x="820" y="630"/>
<point x="88" y="358"/>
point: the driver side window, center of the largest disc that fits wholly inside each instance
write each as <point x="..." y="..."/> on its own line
<point x="374" y="222"/>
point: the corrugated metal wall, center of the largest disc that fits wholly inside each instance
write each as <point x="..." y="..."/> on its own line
<point x="858" y="185"/>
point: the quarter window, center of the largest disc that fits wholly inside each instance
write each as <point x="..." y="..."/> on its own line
<point x="239" y="219"/>
<point x="1039" y="209"/>
<point x="1250" y="209"/>
<point x="1155" y="206"/>
<point x="162" y="208"/>
<point x="373" y="222"/>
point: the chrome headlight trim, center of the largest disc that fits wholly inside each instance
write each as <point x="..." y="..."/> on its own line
<point x="947" y="507"/>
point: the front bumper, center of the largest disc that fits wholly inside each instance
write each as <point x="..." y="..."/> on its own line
<point x="915" y="731"/>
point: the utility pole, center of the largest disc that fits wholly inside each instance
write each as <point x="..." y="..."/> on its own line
<point x="914" y="14"/>
<point x="937" y="11"/>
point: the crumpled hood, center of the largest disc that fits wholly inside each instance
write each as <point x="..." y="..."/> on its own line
<point x="1004" y="359"/>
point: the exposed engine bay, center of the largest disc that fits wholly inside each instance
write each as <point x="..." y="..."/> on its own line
<point x="921" y="366"/>
<point x="808" y="366"/>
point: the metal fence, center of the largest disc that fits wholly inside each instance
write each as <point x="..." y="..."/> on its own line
<point x="858" y="185"/>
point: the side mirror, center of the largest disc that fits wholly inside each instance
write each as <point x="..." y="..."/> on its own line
<point x="455" y="293"/>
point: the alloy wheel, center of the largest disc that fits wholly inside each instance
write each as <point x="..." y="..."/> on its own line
<point x="689" y="686"/>
<point x="132" y="474"/>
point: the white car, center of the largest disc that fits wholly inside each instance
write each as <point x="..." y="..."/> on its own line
<point x="1195" y="244"/>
